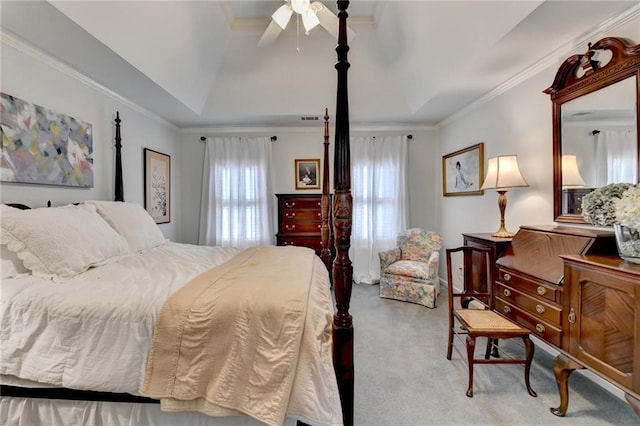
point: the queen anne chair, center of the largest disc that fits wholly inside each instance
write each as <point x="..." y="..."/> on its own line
<point x="471" y="315"/>
<point x="409" y="272"/>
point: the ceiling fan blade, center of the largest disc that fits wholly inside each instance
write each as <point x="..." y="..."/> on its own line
<point x="282" y="15"/>
<point x="270" y="34"/>
<point x="329" y="20"/>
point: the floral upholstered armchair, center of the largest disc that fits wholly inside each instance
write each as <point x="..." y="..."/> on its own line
<point x="410" y="271"/>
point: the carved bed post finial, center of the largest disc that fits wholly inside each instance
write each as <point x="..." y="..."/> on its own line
<point x="119" y="189"/>
<point x="325" y="230"/>
<point x="342" y="219"/>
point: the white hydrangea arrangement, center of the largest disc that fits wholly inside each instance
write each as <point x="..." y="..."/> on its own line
<point x="598" y="206"/>
<point x="627" y="208"/>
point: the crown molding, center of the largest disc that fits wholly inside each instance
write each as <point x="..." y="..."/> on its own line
<point x="401" y="128"/>
<point x="552" y="59"/>
<point x="9" y="39"/>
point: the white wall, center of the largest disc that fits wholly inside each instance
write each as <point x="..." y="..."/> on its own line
<point x="35" y="78"/>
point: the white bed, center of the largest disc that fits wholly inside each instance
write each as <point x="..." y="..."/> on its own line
<point x="82" y="290"/>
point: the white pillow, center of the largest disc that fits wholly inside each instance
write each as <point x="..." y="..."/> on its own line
<point x="10" y="266"/>
<point x="60" y="242"/>
<point x="131" y="221"/>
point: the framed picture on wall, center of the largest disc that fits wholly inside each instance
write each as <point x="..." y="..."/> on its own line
<point x="157" y="185"/>
<point x="307" y="173"/>
<point x="463" y="171"/>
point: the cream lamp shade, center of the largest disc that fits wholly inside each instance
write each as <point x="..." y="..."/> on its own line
<point x="503" y="173"/>
<point x="570" y="173"/>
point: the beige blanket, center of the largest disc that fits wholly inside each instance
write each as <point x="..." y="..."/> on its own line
<point x="230" y="340"/>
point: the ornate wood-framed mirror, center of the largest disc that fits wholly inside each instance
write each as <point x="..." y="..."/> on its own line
<point x="596" y="124"/>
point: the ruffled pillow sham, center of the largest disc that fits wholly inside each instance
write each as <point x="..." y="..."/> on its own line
<point x="131" y="221"/>
<point x="10" y="265"/>
<point x="59" y="243"/>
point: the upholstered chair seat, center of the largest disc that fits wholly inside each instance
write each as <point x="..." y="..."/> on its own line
<point x="410" y="271"/>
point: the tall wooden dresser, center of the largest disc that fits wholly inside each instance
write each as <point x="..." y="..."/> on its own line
<point x="571" y="289"/>
<point x="299" y="220"/>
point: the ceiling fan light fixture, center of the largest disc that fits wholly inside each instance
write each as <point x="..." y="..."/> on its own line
<point x="300" y="6"/>
<point x="282" y="15"/>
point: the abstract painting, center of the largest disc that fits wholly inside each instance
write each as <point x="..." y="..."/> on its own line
<point x="44" y="147"/>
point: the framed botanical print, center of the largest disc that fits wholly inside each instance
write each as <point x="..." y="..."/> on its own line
<point x="463" y="171"/>
<point x="157" y="185"/>
<point x="307" y="173"/>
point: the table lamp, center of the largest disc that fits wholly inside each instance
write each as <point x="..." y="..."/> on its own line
<point x="503" y="173"/>
<point x="570" y="173"/>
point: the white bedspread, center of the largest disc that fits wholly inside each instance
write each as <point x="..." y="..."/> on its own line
<point x="93" y="332"/>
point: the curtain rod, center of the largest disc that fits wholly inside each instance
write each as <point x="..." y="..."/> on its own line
<point x="409" y="136"/>
<point x="273" y="138"/>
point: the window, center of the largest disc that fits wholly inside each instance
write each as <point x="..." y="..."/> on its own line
<point x="236" y="193"/>
<point x="378" y="170"/>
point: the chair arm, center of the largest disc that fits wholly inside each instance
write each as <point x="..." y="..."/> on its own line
<point x="433" y="262"/>
<point x="387" y="257"/>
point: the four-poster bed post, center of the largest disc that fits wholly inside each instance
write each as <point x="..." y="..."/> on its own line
<point x="325" y="201"/>
<point x="342" y="218"/>
<point x="119" y="189"/>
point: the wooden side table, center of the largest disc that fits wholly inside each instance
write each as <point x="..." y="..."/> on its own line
<point x="497" y="247"/>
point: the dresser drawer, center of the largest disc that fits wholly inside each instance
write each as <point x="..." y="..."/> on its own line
<point x="295" y="226"/>
<point x="528" y="285"/>
<point x="311" y="203"/>
<point x="300" y="214"/>
<point x="543" y="329"/>
<point x="310" y="241"/>
<point x="536" y="306"/>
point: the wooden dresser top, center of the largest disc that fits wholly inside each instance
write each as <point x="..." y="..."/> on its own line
<point x="536" y="250"/>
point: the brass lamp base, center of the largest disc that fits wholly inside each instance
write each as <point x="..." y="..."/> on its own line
<point x="503" y="233"/>
<point x="502" y="204"/>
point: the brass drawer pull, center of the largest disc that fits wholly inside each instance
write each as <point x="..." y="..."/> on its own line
<point x="507" y="277"/>
<point x="289" y="204"/>
<point x="290" y="227"/>
<point x="507" y="292"/>
<point x="572" y="316"/>
<point x="542" y="291"/>
<point x="290" y="215"/>
<point x="506" y="309"/>
<point x="540" y="309"/>
<point x="540" y="328"/>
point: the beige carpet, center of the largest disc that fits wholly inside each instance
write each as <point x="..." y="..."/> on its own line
<point x="402" y="376"/>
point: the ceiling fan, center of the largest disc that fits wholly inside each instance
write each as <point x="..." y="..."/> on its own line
<point x="311" y="15"/>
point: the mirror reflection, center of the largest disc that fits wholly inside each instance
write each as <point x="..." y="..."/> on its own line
<point x="599" y="142"/>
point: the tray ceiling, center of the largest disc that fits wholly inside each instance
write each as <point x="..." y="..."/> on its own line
<point x="196" y="63"/>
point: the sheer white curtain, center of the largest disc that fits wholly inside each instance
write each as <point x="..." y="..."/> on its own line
<point x="236" y="192"/>
<point x="379" y="190"/>
<point x="615" y="156"/>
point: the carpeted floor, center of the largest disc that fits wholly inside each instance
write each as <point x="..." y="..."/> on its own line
<point x="402" y="376"/>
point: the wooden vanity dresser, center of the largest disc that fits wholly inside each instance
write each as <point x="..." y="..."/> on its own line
<point x="571" y="289"/>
